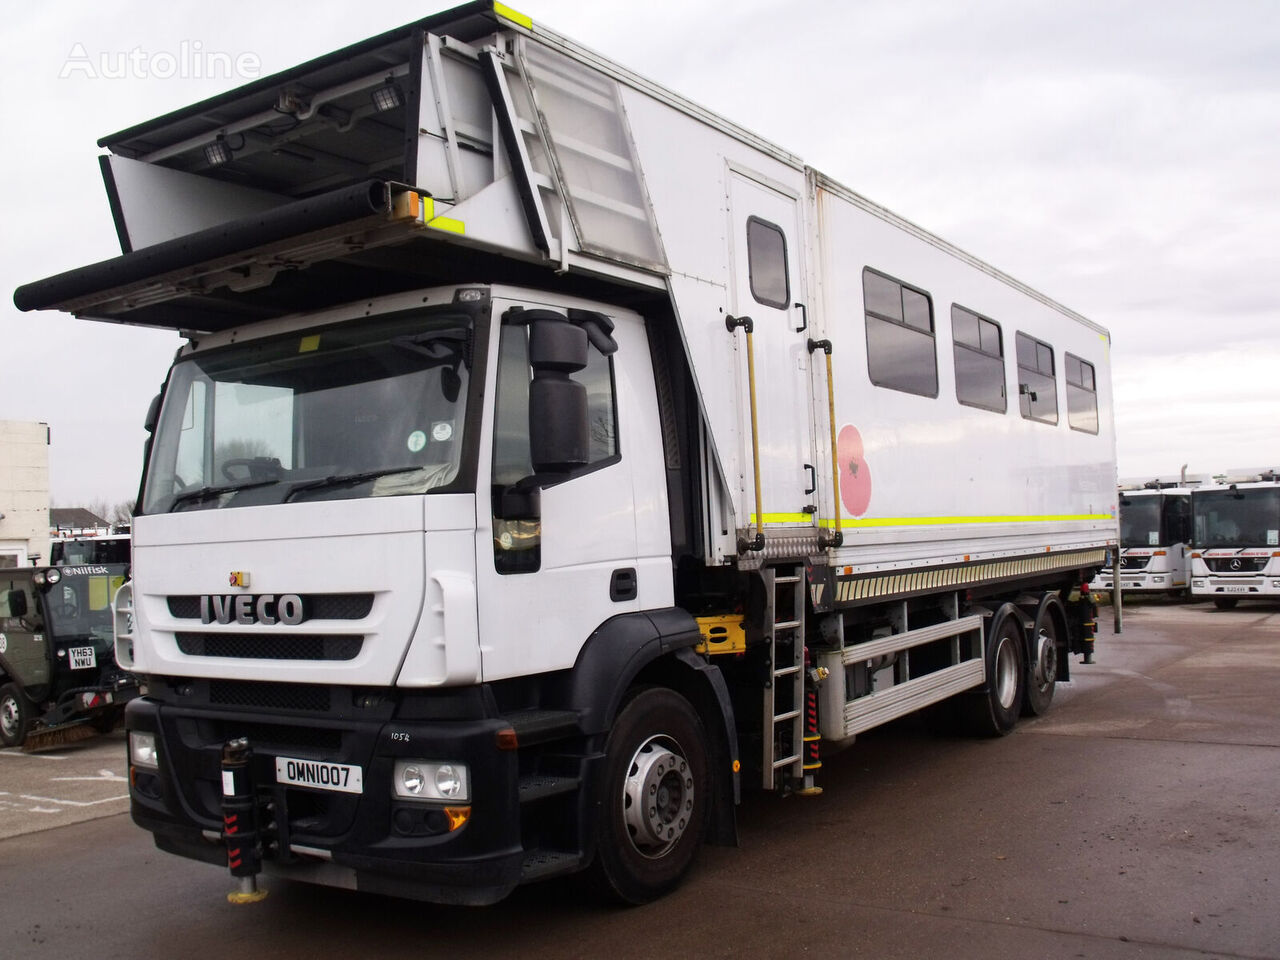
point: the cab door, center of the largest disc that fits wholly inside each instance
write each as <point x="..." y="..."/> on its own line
<point x="547" y="576"/>
<point x="767" y="286"/>
<point x="24" y="651"/>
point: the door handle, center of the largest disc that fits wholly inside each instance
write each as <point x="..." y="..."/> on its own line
<point x="623" y="585"/>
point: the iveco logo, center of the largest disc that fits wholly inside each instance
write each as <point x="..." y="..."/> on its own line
<point x="1235" y="564"/>
<point x="267" y="609"/>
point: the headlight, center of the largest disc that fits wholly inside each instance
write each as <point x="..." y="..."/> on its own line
<point x="428" y="780"/>
<point x="52" y="576"/>
<point x="142" y="750"/>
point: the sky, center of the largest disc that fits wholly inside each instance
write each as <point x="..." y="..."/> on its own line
<point x="1121" y="157"/>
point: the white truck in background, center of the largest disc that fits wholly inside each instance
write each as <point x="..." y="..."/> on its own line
<point x="550" y="459"/>
<point x="1237" y="538"/>
<point x="1155" y="537"/>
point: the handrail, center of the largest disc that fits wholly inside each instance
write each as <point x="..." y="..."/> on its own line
<point x="836" y="537"/>
<point x="732" y="323"/>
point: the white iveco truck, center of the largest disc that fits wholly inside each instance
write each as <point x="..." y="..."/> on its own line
<point x="1237" y="538"/>
<point x="1155" y="538"/>
<point x="551" y="458"/>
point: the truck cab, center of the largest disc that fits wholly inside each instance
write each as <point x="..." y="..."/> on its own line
<point x="1237" y="539"/>
<point x="56" y="663"/>
<point x="1155" y="540"/>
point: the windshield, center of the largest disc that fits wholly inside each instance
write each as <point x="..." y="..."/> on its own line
<point x="365" y="409"/>
<point x="1140" y="521"/>
<point x="99" y="550"/>
<point x="1237" y="518"/>
<point x="79" y="605"/>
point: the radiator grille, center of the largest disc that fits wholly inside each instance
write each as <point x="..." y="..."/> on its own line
<point x="1236" y="564"/>
<point x="269" y="696"/>
<point x="270" y="646"/>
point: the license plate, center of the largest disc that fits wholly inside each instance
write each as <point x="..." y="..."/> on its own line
<point x="1235" y="589"/>
<point x="320" y="775"/>
<point x="82" y="658"/>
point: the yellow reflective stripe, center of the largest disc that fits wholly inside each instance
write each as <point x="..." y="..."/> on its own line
<point x="448" y="224"/>
<point x="519" y="19"/>
<point x="846" y="522"/>
<point x="950" y="521"/>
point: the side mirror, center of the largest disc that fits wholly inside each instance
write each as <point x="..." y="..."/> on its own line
<point x="17" y="601"/>
<point x="559" y="437"/>
<point x="153" y="415"/>
<point x="520" y="501"/>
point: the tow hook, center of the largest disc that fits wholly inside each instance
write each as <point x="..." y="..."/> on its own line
<point x="240" y="822"/>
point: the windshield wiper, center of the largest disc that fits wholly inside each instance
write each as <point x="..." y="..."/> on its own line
<point x="205" y="493"/>
<point x="342" y="479"/>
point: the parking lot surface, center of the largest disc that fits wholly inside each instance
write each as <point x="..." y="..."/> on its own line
<point x="1140" y="818"/>
<point x="59" y="787"/>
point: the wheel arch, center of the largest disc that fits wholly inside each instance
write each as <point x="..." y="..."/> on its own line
<point x="655" y="649"/>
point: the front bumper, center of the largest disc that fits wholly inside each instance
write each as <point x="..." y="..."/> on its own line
<point x="369" y="841"/>
<point x="1158" y="582"/>
<point x="1255" y="585"/>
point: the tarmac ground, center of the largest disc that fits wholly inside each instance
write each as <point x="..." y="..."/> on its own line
<point x="1139" y="818"/>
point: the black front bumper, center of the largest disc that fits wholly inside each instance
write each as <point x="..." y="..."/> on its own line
<point x="370" y="841"/>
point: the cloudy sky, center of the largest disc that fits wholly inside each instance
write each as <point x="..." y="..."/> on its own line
<point x="1121" y="157"/>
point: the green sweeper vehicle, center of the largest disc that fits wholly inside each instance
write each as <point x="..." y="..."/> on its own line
<point x="59" y="682"/>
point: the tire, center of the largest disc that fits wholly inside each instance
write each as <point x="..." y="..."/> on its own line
<point x="657" y="750"/>
<point x="993" y="711"/>
<point x="1042" y="663"/>
<point x="1225" y="603"/>
<point x="15" y="715"/>
<point x="106" y="721"/>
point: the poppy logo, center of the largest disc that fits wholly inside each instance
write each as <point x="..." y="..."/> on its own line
<point x="854" y="472"/>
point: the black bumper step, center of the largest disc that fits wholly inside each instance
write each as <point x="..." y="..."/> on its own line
<point x="542" y="726"/>
<point x="539" y="786"/>
<point x="540" y="864"/>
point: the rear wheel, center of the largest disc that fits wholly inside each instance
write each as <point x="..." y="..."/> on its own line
<point x="994" y="711"/>
<point x="1225" y="603"/>
<point x="15" y="715"/>
<point x="654" y="797"/>
<point x="1042" y="670"/>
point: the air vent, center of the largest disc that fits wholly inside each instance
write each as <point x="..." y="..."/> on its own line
<point x="270" y="646"/>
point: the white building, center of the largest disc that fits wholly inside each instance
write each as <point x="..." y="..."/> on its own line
<point x="24" y="492"/>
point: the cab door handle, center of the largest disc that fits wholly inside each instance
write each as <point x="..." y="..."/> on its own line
<point x="623" y="585"/>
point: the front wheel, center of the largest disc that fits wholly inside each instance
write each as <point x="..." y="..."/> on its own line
<point x="654" y="797"/>
<point x="15" y="715"/>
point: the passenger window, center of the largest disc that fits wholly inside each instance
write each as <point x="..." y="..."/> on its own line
<point x="900" y="348"/>
<point x="1082" y="395"/>
<point x="767" y="264"/>
<point x="979" y="356"/>
<point x="1037" y="380"/>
